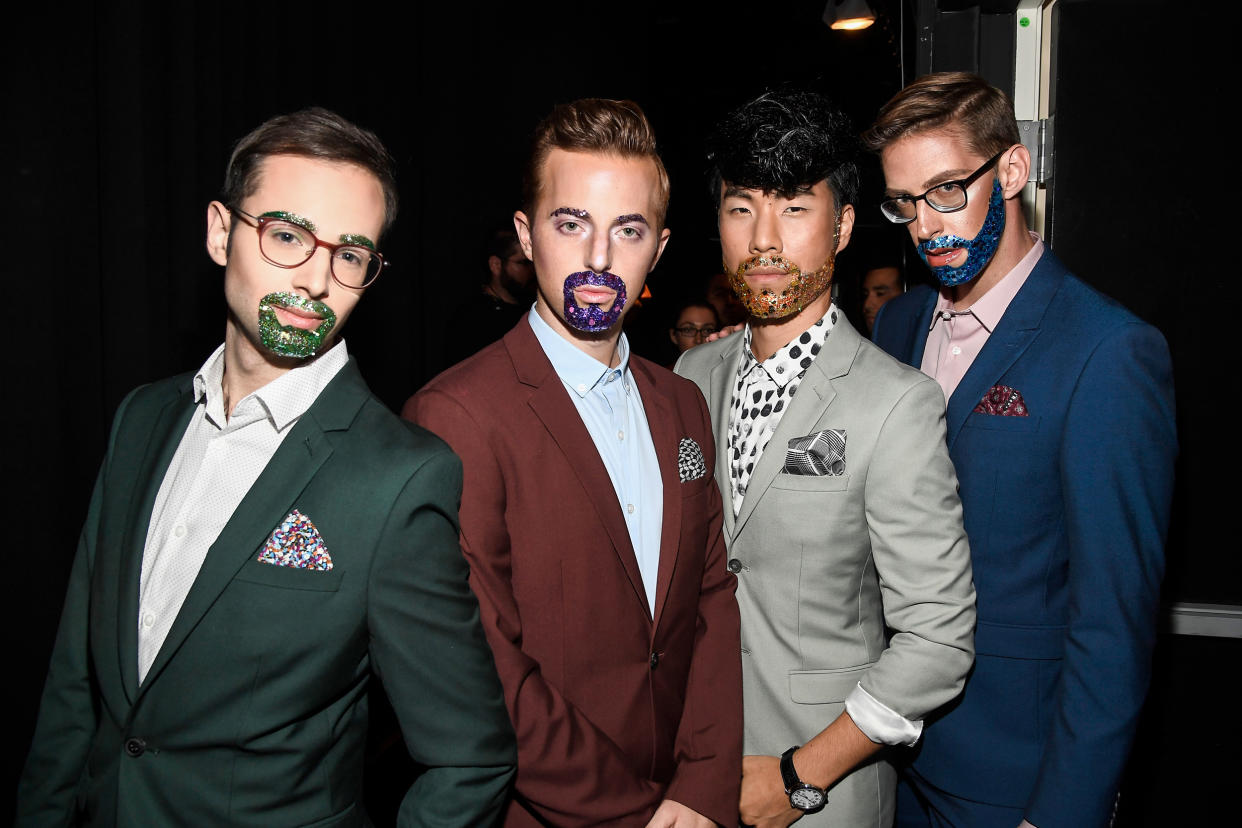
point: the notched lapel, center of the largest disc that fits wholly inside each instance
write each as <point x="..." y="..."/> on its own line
<point x="268" y="502"/>
<point x="721" y="382"/>
<point x="815" y="393"/>
<point x="551" y="404"/>
<point x="168" y="424"/>
<point x="1016" y="330"/>
<point x="666" y="436"/>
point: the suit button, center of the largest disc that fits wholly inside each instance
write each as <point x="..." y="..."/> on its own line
<point x="655" y="660"/>
<point x="735" y="566"/>
<point x="135" y="747"/>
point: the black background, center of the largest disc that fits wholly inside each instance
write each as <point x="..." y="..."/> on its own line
<point x="119" y="119"/>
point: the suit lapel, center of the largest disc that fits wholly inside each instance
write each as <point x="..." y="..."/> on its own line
<point x="921" y="331"/>
<point x="1016" y="330"/>
<point x="662" y="423"/>
<point x="721" y="382"/>
<point x="168" y="425"/>
<point x="815" y="393"/>
<point x="551" y="404"/>
<point x="269" y="500"/>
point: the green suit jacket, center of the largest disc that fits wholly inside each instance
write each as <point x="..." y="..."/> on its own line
<point x="254" y="711"/>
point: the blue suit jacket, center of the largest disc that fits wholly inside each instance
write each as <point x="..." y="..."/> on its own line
<point x="1067" y="511"/>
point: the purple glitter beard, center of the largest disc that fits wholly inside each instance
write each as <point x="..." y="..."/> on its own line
<point x="979" y="250"/>
<point x="592" y="318"/>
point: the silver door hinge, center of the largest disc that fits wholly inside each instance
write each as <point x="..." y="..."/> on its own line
<point x="1037" y="138"/>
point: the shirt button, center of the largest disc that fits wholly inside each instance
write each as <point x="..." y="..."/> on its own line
<point x="620" y="435"/>
<point x="135" y="747"/>
<point x="582" y="389"/>
<point x="629" y="507"/>
<point x="780" y="369"/>
<point x="735" y="566"/>
<point x="179" y="531"/>
<point x="148" y="620"/>
<point x="956" y="350"/>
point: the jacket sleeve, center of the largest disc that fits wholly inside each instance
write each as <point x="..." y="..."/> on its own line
<point x="1117" y="455"/>
<point x="430" y="654"/>
<point x="709" y="740"/>
<point x="922" y="558"/>
<point x="569" y="772"/>
<point x="48" y="789"/>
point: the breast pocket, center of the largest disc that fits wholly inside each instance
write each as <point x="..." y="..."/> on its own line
<point x="993" y="422"/>
<point x="289" y="577"/>
<point x="811" y="482"/>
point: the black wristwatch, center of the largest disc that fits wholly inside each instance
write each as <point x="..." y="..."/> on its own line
<point x="802" y="796"/>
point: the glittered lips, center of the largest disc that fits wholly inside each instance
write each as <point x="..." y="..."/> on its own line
<point x="294" y="326"/>
<point x="593" y="289"/>
<point x="766" y="303"/>
<point x="955" y="260"/>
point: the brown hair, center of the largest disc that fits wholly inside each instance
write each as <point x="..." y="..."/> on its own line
<point x="312" y="133"/>
<point x="958" y="101"/>
<point x="594" y="125"/>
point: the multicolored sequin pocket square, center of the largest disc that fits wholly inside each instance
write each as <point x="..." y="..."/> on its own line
<point x="1002" y="401"/>
<point x="296" y="543"/>
<point x="818" y="454"/>
<point x="690" y="462"/>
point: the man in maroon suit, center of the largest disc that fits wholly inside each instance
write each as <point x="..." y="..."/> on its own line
<point x="589" y="516"/>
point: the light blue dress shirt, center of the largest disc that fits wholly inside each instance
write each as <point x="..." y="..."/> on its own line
<point x="608" y="402"/>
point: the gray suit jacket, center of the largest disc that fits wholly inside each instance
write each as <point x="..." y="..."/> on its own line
<point x="825" y="563"/>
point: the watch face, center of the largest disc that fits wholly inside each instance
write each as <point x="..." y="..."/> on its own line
<point x="806" y="799"/>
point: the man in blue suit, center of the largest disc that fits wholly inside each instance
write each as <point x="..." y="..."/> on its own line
<point x="1061" y="427"/>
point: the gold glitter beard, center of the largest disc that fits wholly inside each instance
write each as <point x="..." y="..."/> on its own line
<point x="801" y="290"/>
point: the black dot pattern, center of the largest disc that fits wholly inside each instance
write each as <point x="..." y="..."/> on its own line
<point x="763" y="392"/>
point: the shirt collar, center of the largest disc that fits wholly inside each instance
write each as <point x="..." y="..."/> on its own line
<point x="578" y="370"/>
<point x="991" y="306"/>
<point x="284" y="399"/>
<point x="786" y="363"/>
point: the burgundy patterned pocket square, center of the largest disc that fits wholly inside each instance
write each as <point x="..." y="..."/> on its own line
<point x="1003" y="401"/>
<point x="296" y="543"/>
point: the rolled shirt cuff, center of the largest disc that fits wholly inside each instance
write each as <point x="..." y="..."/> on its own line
<point x="880" y="723"/>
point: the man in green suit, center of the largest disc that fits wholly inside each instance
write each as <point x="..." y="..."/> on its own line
<point x="263" y="537"/>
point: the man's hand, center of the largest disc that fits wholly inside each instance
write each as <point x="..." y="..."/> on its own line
<point x="764" y="801"/>
<point x="725" y="331"/>
<point x="672" y="814"/>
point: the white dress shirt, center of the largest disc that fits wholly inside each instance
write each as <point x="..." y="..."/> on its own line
<point x="217" y="461"/>
<point x="608" y="402"/>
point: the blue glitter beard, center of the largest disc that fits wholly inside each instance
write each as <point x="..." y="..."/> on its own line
<point x="979" y="250"/>
<point x="592" y="318"/>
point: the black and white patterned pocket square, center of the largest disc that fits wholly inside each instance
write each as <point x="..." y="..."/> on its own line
<point x="819" y="454"/>
<point x="690" y="462"/>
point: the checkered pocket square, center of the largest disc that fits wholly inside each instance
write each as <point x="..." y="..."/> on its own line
<point x="690" y="462"/>
<point x="819" y="454"/>
<point x="1003" y="401"/>
<point x="296" y="543"/>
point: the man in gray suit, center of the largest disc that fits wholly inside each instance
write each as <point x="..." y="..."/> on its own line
<point x="842" y="515"/>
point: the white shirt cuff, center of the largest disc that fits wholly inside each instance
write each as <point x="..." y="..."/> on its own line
<point x="880" y="723"/>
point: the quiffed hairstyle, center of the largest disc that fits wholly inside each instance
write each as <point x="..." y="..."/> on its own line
<point x="312" y="133"/>
<point x="782" y="142"/>
<point x="959" y="101"/>
<point x="594" y="125"/>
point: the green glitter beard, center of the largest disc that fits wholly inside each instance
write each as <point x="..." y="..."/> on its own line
<point x="288" y="340"/>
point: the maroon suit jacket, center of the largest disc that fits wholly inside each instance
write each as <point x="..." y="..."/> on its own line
<point x="614" y="710"/>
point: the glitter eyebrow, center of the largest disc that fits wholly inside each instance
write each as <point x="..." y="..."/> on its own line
<point x="292" y="218"/>
<point x="570" y="211"/>
<point x="631" y="217"/>
<point x="357" y="239"/>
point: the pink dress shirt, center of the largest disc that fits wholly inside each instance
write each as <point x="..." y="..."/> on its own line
<point x="957" y="335"/>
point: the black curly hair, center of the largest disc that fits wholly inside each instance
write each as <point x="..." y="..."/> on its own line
<point x="784" y="141"/>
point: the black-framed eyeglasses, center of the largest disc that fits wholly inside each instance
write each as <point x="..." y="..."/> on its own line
<point x="290" y="245"/>
<point x="695" y="331"/>
<point x="948" y="197"/>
